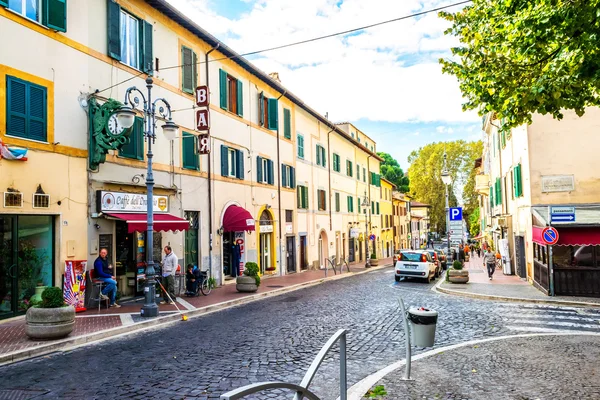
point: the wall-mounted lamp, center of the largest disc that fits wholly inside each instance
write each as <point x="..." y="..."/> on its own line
<point x="137" y="178"/>
<point x="97" y="226"/>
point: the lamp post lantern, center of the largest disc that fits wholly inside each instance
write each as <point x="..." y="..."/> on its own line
<point x="126" y="117"/>
<point x="365" y="205"/>
<point x="447" y="180"/>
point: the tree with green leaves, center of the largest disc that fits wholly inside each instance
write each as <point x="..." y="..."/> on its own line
<point x="520" y="57"/>
<point x="390" y="170"/>
<point x="474" y="223"/>
<point x="425" y="172"/>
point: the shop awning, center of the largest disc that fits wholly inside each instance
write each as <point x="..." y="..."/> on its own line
<point x="584" y="236"/>
<point x="237" y="219"/>
<point x="162" y="222"/>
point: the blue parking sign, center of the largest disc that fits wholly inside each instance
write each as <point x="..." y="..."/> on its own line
<point x="456" y="214"/>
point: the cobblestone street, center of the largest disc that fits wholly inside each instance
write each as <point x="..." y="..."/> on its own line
<point x="276" y="339"/>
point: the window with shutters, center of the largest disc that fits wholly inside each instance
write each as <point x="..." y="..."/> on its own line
<point x="300" y="144"/>
<point x="26" y="110"/>
<point x="377" y="208"/>
<point x="268" y="110"/>
<point x="372" y="208"/>
<point x="518" y="181"/>
<point x="357" y="172"/>
<point x="129" y="38"/>
<point x="50" y="13"/>
<point x="287" y="123"/>
<point x="350" y="202"/>
<point x="349" y="168"/>
<point x="337" y="202"/>
<point x="130" y="41"/>
<point x="189" y="68"/>
<point x="321" y="200"/>
<point x="321" y="156"/>
<point x="231" y="93"/>
<point x="288" y="176"/>
<point x="336" y="162"/>
<point x="265" y="167"/>
<point x="364" y="174"/>
<point x="232" y="162"/>
<point x="264" y="171"/>
<point x="134" y="146"/>
<point x="190" y="157"/>
<point x="302" y="192"/>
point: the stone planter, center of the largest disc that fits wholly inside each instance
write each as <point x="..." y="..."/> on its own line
<point x="245" y="284"/>
<point x="373" y="262"/>
<point x="458" y="275"/>
<point x="49" y="323"/>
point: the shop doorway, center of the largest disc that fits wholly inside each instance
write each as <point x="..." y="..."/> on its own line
<point x="323" y="249"/>
<point x="303" y="263"/>
<point x="228" y="240"/>
<point x="351" y="250"/>
<point x="191" y="239"/>
<point x="360" y="250"/>
<point x="266" y="243"/>
<point x="26" y="260"/>
<point x="290" y="247"/>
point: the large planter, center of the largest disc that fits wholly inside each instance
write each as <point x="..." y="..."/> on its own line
<point x="246" y="284"/>
<point x="49" y="323"/>
<point x="458" y="275"/>
<point x="373" y="262"/>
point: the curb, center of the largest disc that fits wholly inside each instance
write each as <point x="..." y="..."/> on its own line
<point x="72" y="343"/>
<point x="358" y="390"/>
<point x="438" y="288"/>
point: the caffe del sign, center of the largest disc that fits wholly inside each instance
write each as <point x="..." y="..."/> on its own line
<point x="128" y="202"/>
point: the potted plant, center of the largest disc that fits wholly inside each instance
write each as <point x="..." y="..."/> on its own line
<point x="250" y="281"/>
<point x="457" y="274"/>
<point x="373" y="261"/>
<point x="51" y="318"/>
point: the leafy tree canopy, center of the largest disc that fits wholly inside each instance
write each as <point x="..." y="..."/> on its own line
<point x="390" y="170"/>
<point x="519" y="57"/>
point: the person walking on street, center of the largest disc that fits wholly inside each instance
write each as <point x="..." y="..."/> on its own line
<point x="479" y="251"/>
<point x="461" y="254"/>
<point x="103" y="272"/>
<point x="489" y="261"/>
<point x="169" y="266"/>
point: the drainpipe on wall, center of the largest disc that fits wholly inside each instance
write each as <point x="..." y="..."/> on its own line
<point x="279" y="190"/>
<point x="210" y="210"/>
<point x="369" y="186"/>
<point x="329" y="176"/>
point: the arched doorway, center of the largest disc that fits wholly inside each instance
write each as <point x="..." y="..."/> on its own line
<point x="323" y="249"/>
<point x="266" y="242"/>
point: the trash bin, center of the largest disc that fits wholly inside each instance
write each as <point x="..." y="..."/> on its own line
<point x="422" y="323"/>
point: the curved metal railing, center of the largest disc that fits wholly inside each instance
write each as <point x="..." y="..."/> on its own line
<point x="302" y="390"/>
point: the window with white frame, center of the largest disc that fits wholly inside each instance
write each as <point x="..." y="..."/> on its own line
<point x="31" y="9"/>
<point x="130" y="40"/>
<point x="232" y="162"/>
<point x="265" y="167"/>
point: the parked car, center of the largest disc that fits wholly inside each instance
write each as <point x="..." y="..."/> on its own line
<point x="443" y="257"/>
<point x="436" y="259"/>
<point x="415" y="264"/>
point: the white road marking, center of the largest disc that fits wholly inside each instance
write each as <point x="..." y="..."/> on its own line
<point x="389" y="272"/>
<point x="184" y="303"/>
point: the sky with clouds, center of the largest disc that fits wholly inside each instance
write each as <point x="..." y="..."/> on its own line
<point x="386" y="80"/>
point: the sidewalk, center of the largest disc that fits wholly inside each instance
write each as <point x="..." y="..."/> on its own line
<point x="93" y="325"/>
<point x="506" y="287"/>
<point x="525" y="367"/>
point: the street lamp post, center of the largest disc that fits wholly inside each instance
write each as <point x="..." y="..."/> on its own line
<point x="365" y="205"/>
<point x="126" y="118"/>
<point x="447" y="180"/>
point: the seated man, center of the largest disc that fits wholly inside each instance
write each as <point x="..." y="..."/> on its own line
<point x="103" y="272"/>
<point x="191" y="280"/>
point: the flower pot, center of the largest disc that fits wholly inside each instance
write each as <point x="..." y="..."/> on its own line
<point x="246" y="284"/>
<point x="458" y="275"/>
<point x="49" y="323"/>
<point x="374" y="262"/>
<point x="37" y="297"/>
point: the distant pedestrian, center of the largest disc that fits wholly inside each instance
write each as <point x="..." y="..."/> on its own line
<point x="489" y="261"/>
<point x="169" y="266"/>
<point x="461" y="254"/>
<point x="479" y="252"/>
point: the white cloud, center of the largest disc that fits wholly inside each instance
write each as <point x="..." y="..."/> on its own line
<point x="386" y="73"/>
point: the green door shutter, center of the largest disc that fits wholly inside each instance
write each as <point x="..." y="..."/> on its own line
<point x="114" y="30"/>
<point x="147" y="59"/>
<point x="224" y="160"/>
<point x="259" y="171"/>
<point x="287" y="124"/>
<point x="55" y="14"/>
<point x="240" y="98"/>
<point x="240" y="164"/>
<point x="283" y="175"/>
<point x="190" y="158"/>
<point x="223" y="89"/>
<point x="273" y="110"/>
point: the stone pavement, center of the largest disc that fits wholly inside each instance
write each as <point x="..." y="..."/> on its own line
<point x="14" y="344"/>
<point x="537" y="367"/>
<point x="505" y="286"/>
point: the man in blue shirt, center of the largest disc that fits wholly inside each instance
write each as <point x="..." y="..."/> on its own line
<point x="104" y="273"/>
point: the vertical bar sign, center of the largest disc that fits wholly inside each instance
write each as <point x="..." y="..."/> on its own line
<point x="203" y="119"/>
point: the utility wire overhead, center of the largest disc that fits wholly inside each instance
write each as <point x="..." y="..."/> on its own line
<point x="307" y="40"/>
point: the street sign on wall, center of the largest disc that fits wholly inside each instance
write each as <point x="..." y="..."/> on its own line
<point x="562" y="214"/>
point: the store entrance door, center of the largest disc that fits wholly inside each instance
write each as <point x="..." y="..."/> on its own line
<point x="26" y="254"/>
<point x="290" y="247"/>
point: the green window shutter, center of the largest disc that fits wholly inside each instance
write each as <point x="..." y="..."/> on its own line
<point x="519" y="179"/>
<point x="239" y="164"/>
<point x="491" y="196"/>
<point x="358" y="204"/>
<point x="364" y="174"/>
<point x="223" y="89"/>
<point x="261" y="109"/>
<point x="190" y="158"/>
<point x="54" y="14"/>
<point x="240" y="98"/>
<point x="4" y="3"/>
<point x="513" y="175"/>
<point x="503" y="139"/>
<point x="134" y="147"/>
<point x="194" y="71"/>
<point x="224" y="160"/>
<point x="16" y="107"/>
<point x="284" y="175"/>
<point x="318" y="155"/>
<point x="305" y="197"/>
<point x="270" y="172"/>
<point x="348" y="204"/>
<point x="187" y="79"/>
<point x="147" y="58"/>
<point x="337" y="202"/>
<point x="273" y="111"/>
<point x="292" y="177"/>
<point x="259" y="170"/>
<point x="299" y="197"/>
<point x="358" y="172"/>
<point x="372" y="207"/>
<point x="287" y="124"/>
<point x="300" y="140"/>
<point x="114" y="30"/>
<point x="377" y="208"/>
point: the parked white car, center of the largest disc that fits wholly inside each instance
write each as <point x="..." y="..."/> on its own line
<point x="415" y="264"/>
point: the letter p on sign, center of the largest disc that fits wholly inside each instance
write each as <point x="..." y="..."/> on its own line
<point x="456" y="214"/>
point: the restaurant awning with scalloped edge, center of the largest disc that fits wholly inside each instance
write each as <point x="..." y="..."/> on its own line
<point x="583" y="236"/>
<point x="238" y="219"/>
<point x="161" y="222"/>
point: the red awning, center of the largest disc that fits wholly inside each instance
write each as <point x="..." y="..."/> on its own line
<point x="162" y="222"/>
<point x="585" y="236"/>
<point x="237" y="219"/>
